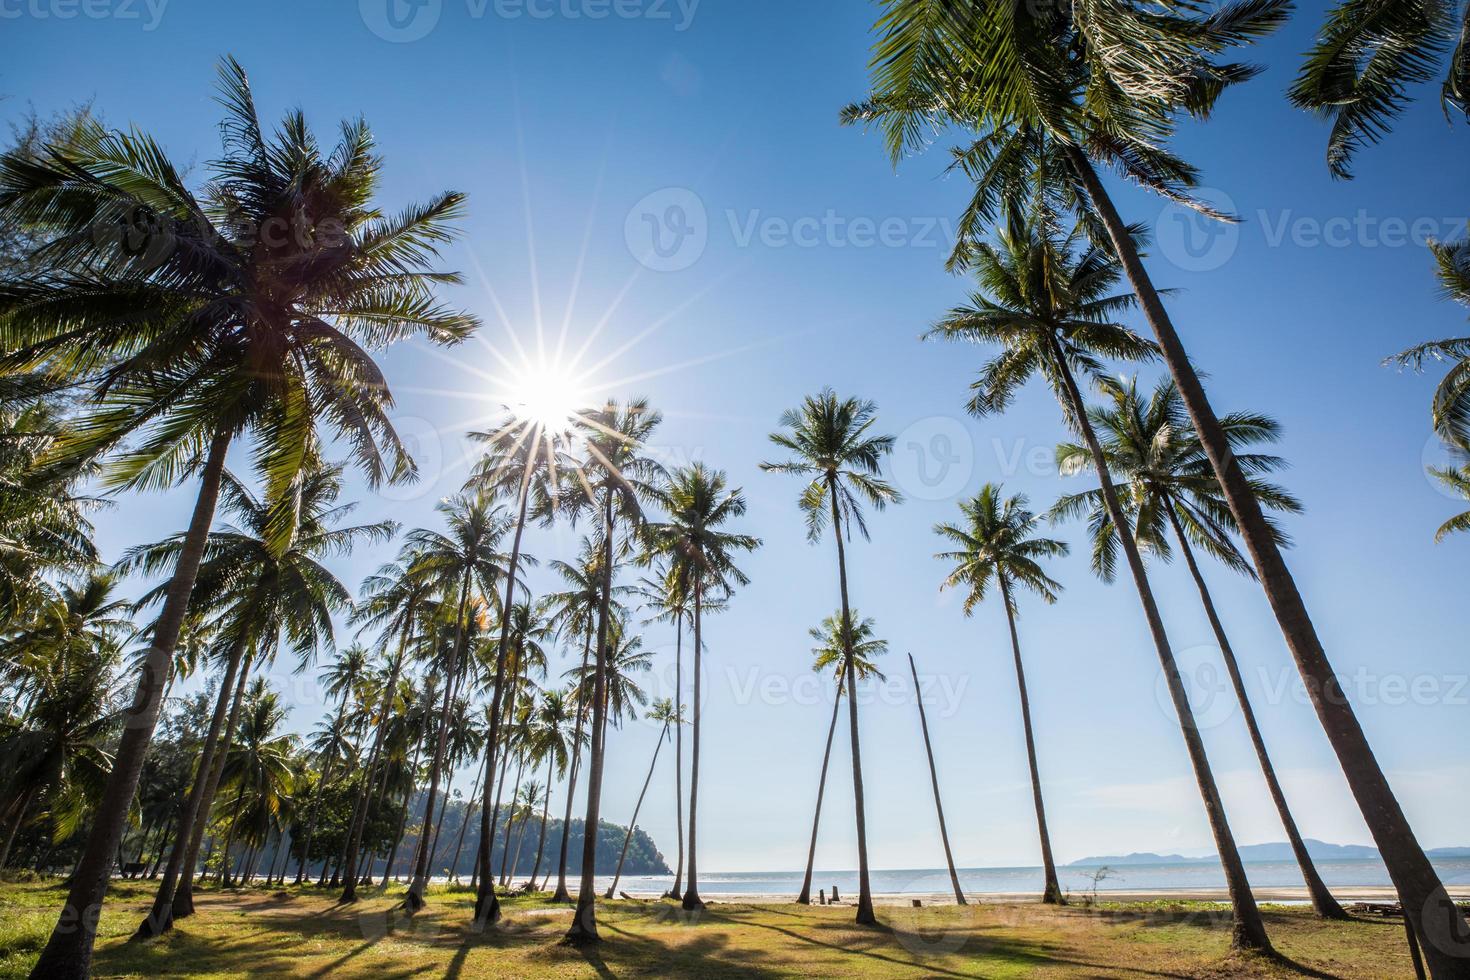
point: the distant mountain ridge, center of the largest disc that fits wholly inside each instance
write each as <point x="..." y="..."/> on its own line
<point x="1257" y="853"/>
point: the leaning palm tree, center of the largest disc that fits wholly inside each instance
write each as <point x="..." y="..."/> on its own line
<point x="1168" y="486"/>
<point x="613" y="482"/>
<point x="462" y="559"/>
<point x="551" y="739"/>
<point x="1450" y="410"/>
<point x="256" y="595"/>
<point x="1048" y="303"/>
<point x="702" y="555"/>
<point x="996" y="543"/>
<point x="1099" y="83"/>
<point x="831" y="653"/>
<point x="1368" y="58"/>
<point x="662" y="713"/>
<point x="1455" y="479"/>
<point x="192" y="329"/>
<point x="342" y="680"/>
<point x="830" y="442"/>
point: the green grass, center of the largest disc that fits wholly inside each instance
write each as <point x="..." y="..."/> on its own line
<point x="301" y="933"/>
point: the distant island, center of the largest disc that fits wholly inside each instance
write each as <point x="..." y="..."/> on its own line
<point x="1260" y="853"/>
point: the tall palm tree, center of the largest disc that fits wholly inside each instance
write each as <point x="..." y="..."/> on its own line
<point x="193" y="329"/>
<point x="1093" y="85"/>
<point x="520" y="461"/>
<point x="702" y="553"/>
<point x="1368" y="57"/>
<point x="665" y="596"/>
<point x="831" y="653"/>
<point x="1456" y="479"/>
<point x="1168" y="486"/>
<point x="257" y="594"/>
<point x="614" y="482"/>
<point x="997" y="543"/>
<point x="830" y="442"/>
<point x="397" y="600"/>
<point x="259" y="774"/>
<point x="551" y="738"/>
<point x="662" y="713"/>
<point x="1450" y="410"/>
<point x="462" y="559"/>
<point x="342" y="680"/>
<point x="1048" y="304"/>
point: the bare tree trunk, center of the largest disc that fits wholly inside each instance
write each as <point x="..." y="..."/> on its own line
<point x="1052" y="890"/>
<point x="1248" y="931"/>
<point x="562" y="895"/>
<point x="1440" y="926"/>
<point x="805" y="898"/>
<point x="68" y="953"/>
<point x="510" y="819"/>
<point x="691" y="900"/>
<point x="954" y="878"/>
<point x="474" y="799"/>
<point x="618" y="873"/>
<point x="545" y="812"/>
<point x="677" y="892"/>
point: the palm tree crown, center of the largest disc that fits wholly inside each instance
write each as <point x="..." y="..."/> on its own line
<point x="997" y="540"/>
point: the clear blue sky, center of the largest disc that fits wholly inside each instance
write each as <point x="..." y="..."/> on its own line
<point x="820" y="266"/>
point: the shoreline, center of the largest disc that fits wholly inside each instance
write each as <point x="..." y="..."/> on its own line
<point x="1280" y="895"/>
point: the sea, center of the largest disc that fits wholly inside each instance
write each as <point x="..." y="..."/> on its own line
<point x="1077" y="879"/>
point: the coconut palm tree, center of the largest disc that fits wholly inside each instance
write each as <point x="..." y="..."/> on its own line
<point x="461" y="560"/>
<point x="702" y="554"/>
<point x="1048" y="303"/>
<point x="256" y="594"/>
<point x="613" y="482"/>
<point x="1168" y="486"/>
<point x="193" y="328"/>
<point x="1450" y="410"/>
<point x="259" y="773"/>
<point x="1087" y="86"/>
<point x="551" y="740"/>
<point x="665" y="714"/>
<point x="1456" y="479"/>
<point x="830" y="442"/>
<point x="342" y="680"/>
<point x="1369" y="56"/>
<point x="831" y="653"/>
<point x="997" y="544"/>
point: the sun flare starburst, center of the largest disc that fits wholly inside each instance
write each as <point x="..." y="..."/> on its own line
<point x="548" y="395"/>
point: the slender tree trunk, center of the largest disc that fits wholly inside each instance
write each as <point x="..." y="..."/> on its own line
<point x="1052" y="892"/>
<point x="691" y="900"/>
<point x="415" y="898"/>
<point x="584" y="922"/>
<point x="545" y="812"/>
<point x="487" y="905"/>
<point x="805" y="898"/>
<point x="562" y="894"/>
<point x="954" y="878"/>
<point x="305" y="858"/>
<point x="360" y="808"/>
<point x="865" y="914"/>
<point x="510" y="818"/>
<point x="20" y="818"/>
<point x="515" y="861"/>
<point x="1322" y="900"/>
<point x="474" y="799"/>
<point x="160" y="919"/>
<point x="439" y="827"/>
<point x="618" y="873"/>
<point x="494" y="821"/>
<point x="677" y="892"/>
<point x="68" y="953"/>
<point x="183" y="903"/>
<point x="1248" y="931"/>
<point x="1441" y="927"/>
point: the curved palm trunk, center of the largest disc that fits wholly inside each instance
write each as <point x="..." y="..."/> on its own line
<point x="415" y="898"/>
<point x="691" y="900"/>
<point x="25" y="801"/>
<point x="68" y="953"/>
<point x="439" y="826"/>
<point x="1247" y="929"/>
<point x="515" y="861"/>
<point x="865" y="892"/>
<point x="363" y="803"/>
<point x="618" y="872"/>
<point x="677" y="892"/>
<point x="1440" y="926"/>
<point x="1052" y="891"/>
<point x="805" y="898"/>
<point x="1322" y="900"/>
<point x="562" y="895"/>
<point x="487" y="905"/>
<point x="183" y="904"/>
<point x="305" y="858"/>
<point x="510" y="819"/>
<point x="954" y="878"/>
<point x="474" y="799"/>
<point x="584" y="922"/>
<point x="161" y="919"/>
<point x="545" y="812"/>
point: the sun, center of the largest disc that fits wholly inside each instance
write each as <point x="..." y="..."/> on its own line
<point x="548" y="395"/>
